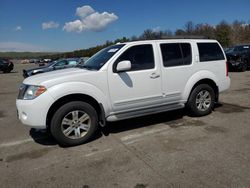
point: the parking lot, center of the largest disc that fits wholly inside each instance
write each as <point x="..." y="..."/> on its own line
<point x="164" y="150"/>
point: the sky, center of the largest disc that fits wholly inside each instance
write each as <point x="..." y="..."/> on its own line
<point x="66" y="25"/>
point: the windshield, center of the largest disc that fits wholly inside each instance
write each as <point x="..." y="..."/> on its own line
<point x="101" y="57"/>
<point x="239" y="49"/>
<point x="243" y="49"/>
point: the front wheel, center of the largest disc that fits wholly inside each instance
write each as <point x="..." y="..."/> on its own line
<point x="7" y="71"/>
<point x="74" y="123"/>
<point x="201" y="100"/>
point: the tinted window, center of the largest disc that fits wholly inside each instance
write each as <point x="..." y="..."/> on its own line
<point x="210" y="52"/>
<point x="186" y="52"/>
<point x="141" y="57"/>
<point x="61" y="63"/>
<point x="176" y="54"/>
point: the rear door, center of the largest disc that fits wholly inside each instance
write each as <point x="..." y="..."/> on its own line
<point x="177" y="60"/>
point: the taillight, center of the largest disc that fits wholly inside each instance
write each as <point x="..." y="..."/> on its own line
<point x="226" y="69"/>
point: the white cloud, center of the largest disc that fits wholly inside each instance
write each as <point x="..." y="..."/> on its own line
<point x="50" y="25"/>
<point x="75" y="26"/>
<point x="90" y="20"/>
<point x="18" y="28"/>
<point x="84" y="11"/>
<point x="20" y="47"/>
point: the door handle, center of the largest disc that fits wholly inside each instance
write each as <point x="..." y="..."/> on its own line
<point x="154" y="75"/>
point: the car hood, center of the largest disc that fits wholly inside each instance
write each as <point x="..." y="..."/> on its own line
<point x="235" y="54"/>
<point x="49" y="79"/>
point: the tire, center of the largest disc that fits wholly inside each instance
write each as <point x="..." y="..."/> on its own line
<point x="6" y="71"/>
<point x="66" y="125"/>
<point x="198" y="104"/>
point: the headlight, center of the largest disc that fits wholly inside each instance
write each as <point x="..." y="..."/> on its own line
<point x="29" y="92"/>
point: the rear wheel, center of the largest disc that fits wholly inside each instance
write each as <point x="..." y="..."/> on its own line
<point x="74" y="123"/>
<point x="201" y="100"/>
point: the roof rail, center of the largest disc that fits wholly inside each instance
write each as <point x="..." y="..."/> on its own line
<point x="176" y="37"/>
<point x="185" y="37"/>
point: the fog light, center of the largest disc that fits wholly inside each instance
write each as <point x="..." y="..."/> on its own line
<point x="24" y="116"/>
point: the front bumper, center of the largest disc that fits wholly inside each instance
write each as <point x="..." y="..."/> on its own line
<point x="33" y="113"/>
<point x="234" y="65"/>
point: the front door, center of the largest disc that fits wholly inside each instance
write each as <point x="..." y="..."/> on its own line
<point x="139" y="87"/>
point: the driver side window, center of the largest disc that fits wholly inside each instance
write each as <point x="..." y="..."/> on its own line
<point x="61" y="63"/>
<point x="140" y="56"/>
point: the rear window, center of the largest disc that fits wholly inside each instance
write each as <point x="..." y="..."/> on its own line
<point x="210" y="52"/>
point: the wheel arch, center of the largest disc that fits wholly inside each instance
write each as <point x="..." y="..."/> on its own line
<point x="202" y="77"/>
<point x="76" y="97"/>
<point x="209" y="82"/>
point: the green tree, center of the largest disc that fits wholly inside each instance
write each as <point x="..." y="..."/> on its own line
<point x="223" y="32"/>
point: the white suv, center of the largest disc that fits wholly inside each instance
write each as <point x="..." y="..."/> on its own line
<point x="124" y="81"/>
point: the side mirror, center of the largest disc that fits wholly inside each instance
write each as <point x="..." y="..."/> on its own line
<point x="123" y="66"/>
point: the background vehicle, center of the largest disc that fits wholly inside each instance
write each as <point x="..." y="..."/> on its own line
<point x="83" y="59"/>
<point x="6" y="65"/>
<point x="124" y="81"/>
<point x="55" y="65"/>
<point x="238" y="57"/>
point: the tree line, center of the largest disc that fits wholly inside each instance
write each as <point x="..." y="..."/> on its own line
<point x="228" y="34"/>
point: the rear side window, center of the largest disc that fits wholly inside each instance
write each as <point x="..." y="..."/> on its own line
<point x="210" y="52"/>
<point x="141" y="57"/>
<point x="176" y="54"/>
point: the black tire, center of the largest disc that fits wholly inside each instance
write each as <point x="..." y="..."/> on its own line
<point x="194" y="96"/>
<point x="6" y="71"/>
<point x="57" y="126"/>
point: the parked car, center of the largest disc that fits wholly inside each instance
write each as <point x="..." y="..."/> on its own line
<point x="36" y="61"/>
<point x="83" y="59"/>
<point x="238" y="57"/>
<point x="6" y="65"/>
<point x="25" y="61"/>
<point x="124" y="81"/>
<point x="55" y="65"/>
